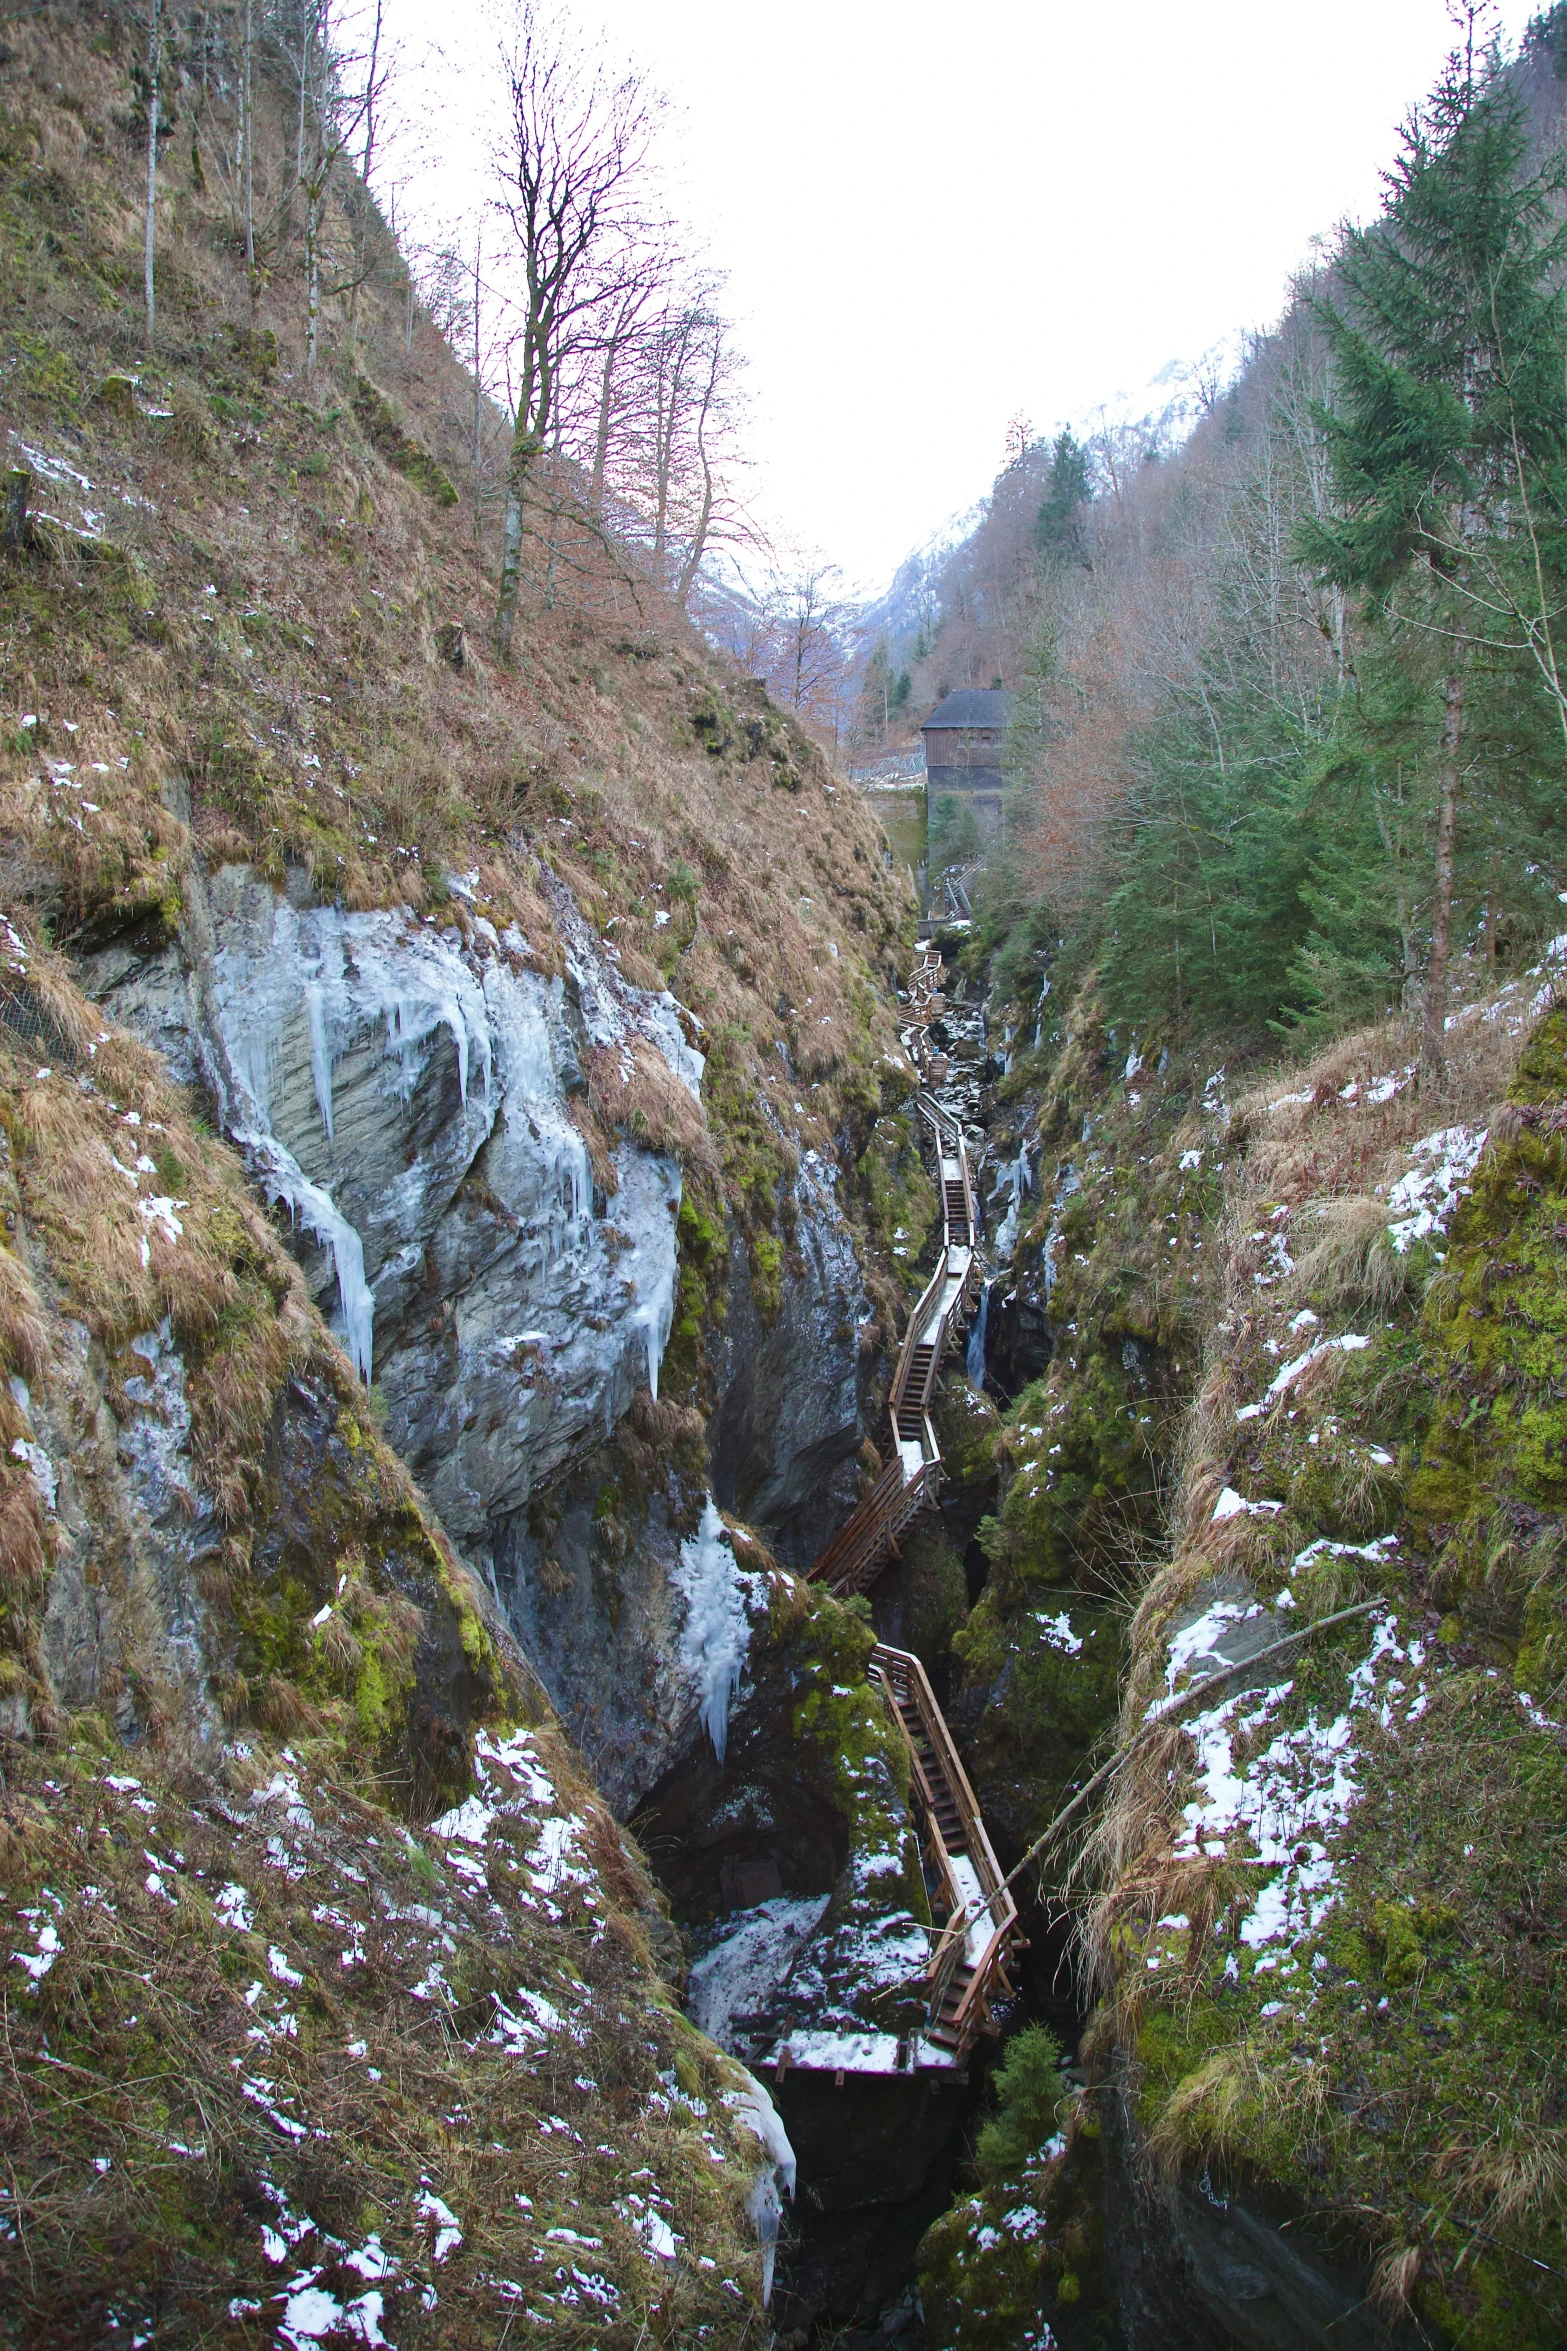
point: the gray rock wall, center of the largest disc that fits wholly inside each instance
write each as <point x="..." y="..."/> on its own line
<point x="791" y="1418"/>
<point x="123" y="1611"/>
<point x="403" y="1092"/>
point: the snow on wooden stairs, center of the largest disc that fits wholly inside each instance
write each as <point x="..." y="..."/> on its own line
<point x="911" y="1480"/>
<point x="976" y="1929"/>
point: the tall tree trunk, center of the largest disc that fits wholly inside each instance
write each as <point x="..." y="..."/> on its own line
<point x="1493" y="924"/>
<point x="601" y="434"/>
<point x="152" y="161"/>
<point x="663" y="439"/>
<point x="304" y="85"/>
<point x="313" y="209"/>
<point x="1433" y="1046"/>
<point x="524" y="449"/>
<point x="478" y="395"/>
<point x="511" y="571"/>
<point x="535" y="413"/>
<point x="698" y="547"/>
<point x="362" y="211"/>
<point x="247" y="106"/>
<point x="553" y="564"/>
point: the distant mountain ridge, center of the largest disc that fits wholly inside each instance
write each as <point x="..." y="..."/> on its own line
<point x="1161" y="413"/>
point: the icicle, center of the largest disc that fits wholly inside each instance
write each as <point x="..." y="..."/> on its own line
<point x="717" y="1630"/>
<point x="655" y="1313"/>
<point x="579" y="1171"/>
<point x="320" y="1053"/>
<point x="417" y="987"/>
<point x="282" y="1178"/>
<point x="755" y="2110"/>
<point x="976" y="1341"/>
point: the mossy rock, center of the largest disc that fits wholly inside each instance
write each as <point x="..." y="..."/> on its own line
<point x="117" y="394"/>
<point x="921" y="1599"/>
<point x="402" y="452"/>
<point x="967" y="1424"/>
<point x="1487" y="1490"/>
<point x="1040" y="1687"/>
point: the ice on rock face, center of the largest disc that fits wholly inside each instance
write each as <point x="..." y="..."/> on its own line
<point x="320" y="1053"/>
<point x="367" y="1063"/>
<point x="754" y="2109"/>
<point x="522" y="1014"/>
<point x="655" y="1276"/>
<point x="718" y="1627"/>
<point x="1015" y="1178"/>
<point x="661" y="1022"/>
<point x="974" y="1356"/>
<point x="283" y="1179"/>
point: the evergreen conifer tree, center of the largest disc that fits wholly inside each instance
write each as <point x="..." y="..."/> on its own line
<point x="1057" y="528"/>
<point x="1447" y="434"/>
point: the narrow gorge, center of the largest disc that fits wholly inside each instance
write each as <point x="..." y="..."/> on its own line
<point x="783" y="1519"/>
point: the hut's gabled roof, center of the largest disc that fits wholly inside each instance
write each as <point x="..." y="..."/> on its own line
<point x="971" y="706"/>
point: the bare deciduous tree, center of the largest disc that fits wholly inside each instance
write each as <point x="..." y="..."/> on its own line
<point x="574" y="169"/>
<point x="338" y="89"/>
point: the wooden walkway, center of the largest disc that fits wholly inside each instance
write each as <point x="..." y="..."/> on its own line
<point x="911" y="1481"/>
<point x="975" y="1922"/>
<point x="976" y="1913"/>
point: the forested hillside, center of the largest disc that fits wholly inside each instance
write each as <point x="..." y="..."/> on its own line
<point x="1265" y="1674"/>
<point x="1233" y="663"/>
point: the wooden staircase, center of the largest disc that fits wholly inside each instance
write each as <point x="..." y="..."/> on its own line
<point x="975" y="1929"/>
<point x="911" y="1480"/>
<point x="978" y="1919"/>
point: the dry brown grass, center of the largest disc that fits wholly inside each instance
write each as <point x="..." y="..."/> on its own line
<point x="24" y="1343"/>
<point x="127" y="2045"/>
<point x="306" y="704"/>
<point x="1345" y="1254"/>
<point x="634" y="1091"/>
<point x="1517" y="2177"/>
<point x="1394" y="2279"/>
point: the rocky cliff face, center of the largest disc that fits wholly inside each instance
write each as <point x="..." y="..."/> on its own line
<point x="412" y="1095"/>
<point x="404" y="1093"/>
<point x="791" y="1416"/>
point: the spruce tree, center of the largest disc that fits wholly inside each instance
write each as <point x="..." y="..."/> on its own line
<point x="1057" y="526"/>
<point x="1447" y="434"/>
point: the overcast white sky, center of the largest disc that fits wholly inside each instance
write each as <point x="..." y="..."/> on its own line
<point x="935" y="217"/>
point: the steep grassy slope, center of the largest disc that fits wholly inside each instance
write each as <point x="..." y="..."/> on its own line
<point x="1329" y="1995"/>
<point x="333" y="1989"/>
<point x="223" y="627"/>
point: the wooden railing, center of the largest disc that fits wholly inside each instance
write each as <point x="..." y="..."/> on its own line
<point x="968" y="1962"/>
<point x="851" y="1560"/>
<point x="908" y="1485"/>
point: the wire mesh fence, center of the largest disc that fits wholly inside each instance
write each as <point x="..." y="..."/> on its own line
<point x="24" y="1012"/>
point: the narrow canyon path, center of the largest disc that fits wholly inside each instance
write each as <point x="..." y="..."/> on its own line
<point x="977" y="1922"/>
